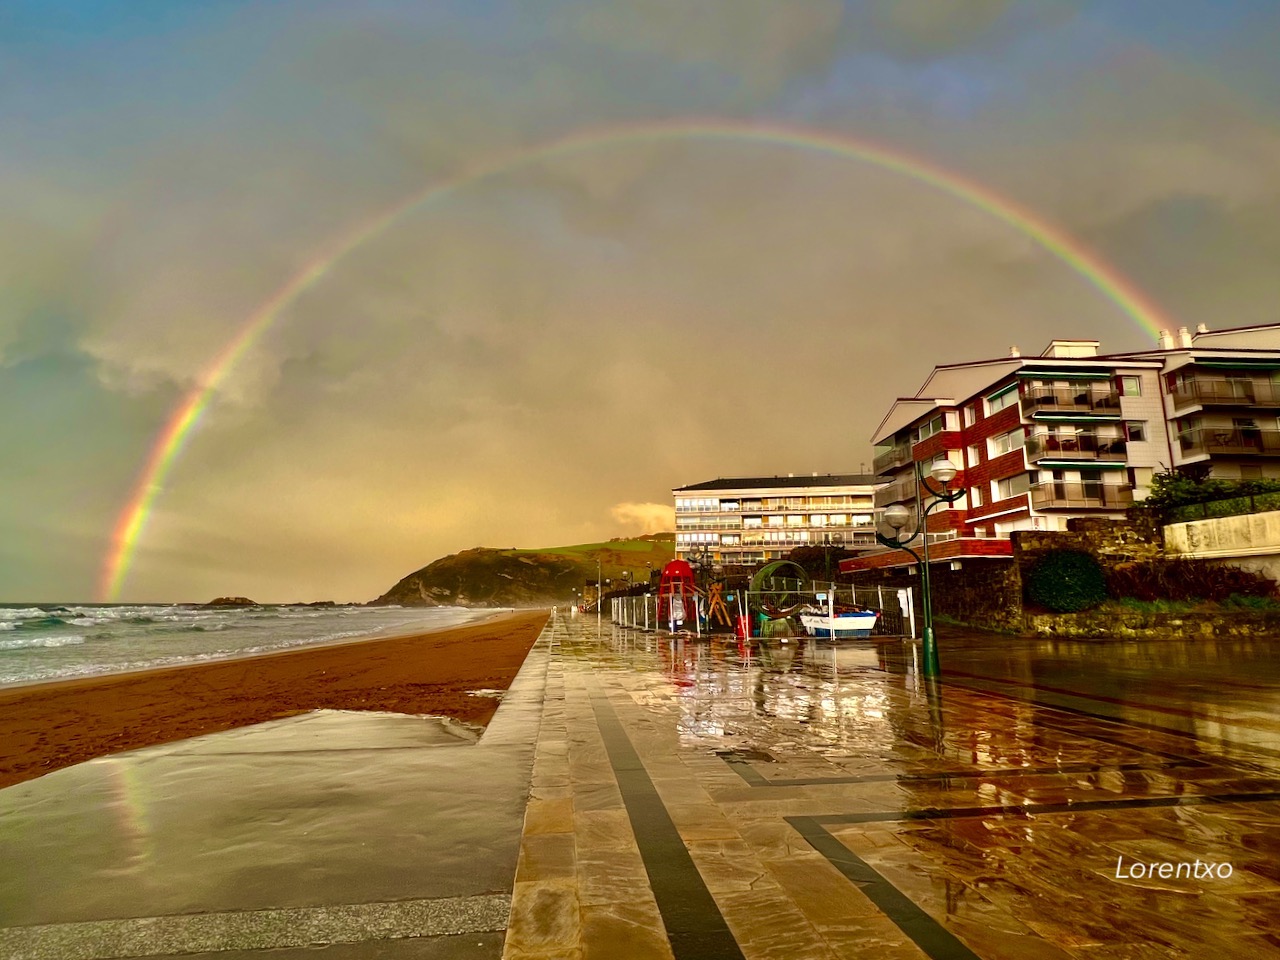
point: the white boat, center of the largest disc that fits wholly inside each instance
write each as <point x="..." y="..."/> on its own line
<point x="842" y="625"/>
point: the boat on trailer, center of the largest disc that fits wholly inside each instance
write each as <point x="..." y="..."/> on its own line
<point x="839" y="626"/>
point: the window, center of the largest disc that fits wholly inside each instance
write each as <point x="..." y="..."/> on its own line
<point x="975" y="494"/>
<point x="1136" y="430"/>
<point x="974" y="455"/>
<point x="1012" y="486"/>
<point x="1131" y="386"/>
<point x="927" y="430"/>
<point x="1006" y="397"/>
<point x="997" y="446"/>
<point x="971" y="414"/>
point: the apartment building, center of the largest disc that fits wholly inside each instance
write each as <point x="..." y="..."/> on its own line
<point x="1072" y="432"/>
<point x="1222" y="400"/>
<point x="748" y="520"/>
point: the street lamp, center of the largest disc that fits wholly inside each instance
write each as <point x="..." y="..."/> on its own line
<point x="897" y="517"/>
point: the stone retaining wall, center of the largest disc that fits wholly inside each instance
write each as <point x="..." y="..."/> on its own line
<point x="1137" y="625"/>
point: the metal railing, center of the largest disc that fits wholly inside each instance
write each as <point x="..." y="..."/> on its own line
<point x="1074" y="446"/>
<point x="895" y="605"/>
<point x="1082" y="495"/>
<point x="1082" y="399"/>
<point x="1226" y="392"/>
<point x="1230" y="441"/>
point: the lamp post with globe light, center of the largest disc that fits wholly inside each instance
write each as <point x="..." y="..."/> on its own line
<point x="897" y="516"/>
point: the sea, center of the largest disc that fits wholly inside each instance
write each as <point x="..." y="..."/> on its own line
<point x="42" y="642"/>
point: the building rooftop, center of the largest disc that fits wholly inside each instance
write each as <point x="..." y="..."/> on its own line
<point x="803" y="480"/>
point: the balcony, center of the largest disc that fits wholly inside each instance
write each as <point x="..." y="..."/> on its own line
<point x="1052" y="445"/>
<point x="892" y="458"/>
<point x="1226" y="392"/>
<point x="1230" y="442"/>
<point x="901" y="492"/>
<point x="1081" y="495"/>
<point x="1084" y="399"/>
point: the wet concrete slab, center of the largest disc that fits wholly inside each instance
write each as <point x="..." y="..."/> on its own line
<point x="363" y="834"/>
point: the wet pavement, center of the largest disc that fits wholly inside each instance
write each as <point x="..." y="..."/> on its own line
<point x="705" y="799"/>
<point x="639" y="796"/>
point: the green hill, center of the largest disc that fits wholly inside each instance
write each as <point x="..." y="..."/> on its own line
<point x="487" y="577"/>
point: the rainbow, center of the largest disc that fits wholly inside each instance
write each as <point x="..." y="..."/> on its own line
<point x="177" y="432"/>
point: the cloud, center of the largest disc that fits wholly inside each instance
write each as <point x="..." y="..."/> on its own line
<point x="645" y="517"/>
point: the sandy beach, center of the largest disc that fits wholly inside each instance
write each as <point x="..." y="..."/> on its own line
<point x="44" y="727"/>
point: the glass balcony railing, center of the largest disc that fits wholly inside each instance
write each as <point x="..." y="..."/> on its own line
<point x="1226" y="392"/>
<point x="903" y="491"/>
<point x="1230" y="441"/>
<point x="1090" y="399"/>
<point x="892" y="457"/>
<point x="1054" y="445"/>
<point x="1081" y="495"/>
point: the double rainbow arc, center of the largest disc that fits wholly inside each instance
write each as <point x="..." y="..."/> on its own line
<point x="177" y="432"/>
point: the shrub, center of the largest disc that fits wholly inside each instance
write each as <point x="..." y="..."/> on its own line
<point x="1067" y="581"/>
<point x="1172" y="488"/>
<point x="1185" y="580"/>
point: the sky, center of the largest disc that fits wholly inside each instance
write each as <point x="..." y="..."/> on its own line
<point x="213" y="202"/>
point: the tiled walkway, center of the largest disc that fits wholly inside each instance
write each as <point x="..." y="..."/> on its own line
<point x="698" y="799"/>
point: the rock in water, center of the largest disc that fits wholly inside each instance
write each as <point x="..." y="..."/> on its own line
<point x="231" y="602"/>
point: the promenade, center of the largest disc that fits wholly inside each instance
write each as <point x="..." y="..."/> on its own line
<point x="639" y="796"/>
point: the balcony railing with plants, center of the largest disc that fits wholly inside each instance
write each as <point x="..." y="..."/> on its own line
<point x="1081" y="495"/>
<point x="1054" y="445"/>
<point x="1080" y="399"/>
<point x="1230" y="441"/>
<point x="1226" y="392"/>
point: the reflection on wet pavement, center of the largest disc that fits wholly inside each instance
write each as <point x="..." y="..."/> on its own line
<point x="835" y="804"/>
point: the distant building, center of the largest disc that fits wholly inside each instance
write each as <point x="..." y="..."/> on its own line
<point x="1072" y="432"/>
<point x="746" y="520"/>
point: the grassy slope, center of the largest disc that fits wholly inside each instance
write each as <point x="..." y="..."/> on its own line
<point x="615" y="555"/>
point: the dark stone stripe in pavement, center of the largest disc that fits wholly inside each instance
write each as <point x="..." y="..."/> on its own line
<point x="695" y="927"/>
<point x="925" y="932"/>
<point x="755" y="779"/>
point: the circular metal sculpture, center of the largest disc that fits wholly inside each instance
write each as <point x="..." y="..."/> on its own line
<point x="776" y="587"/>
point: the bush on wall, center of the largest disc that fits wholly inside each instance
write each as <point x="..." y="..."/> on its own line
<point x="1185" y="580"/>
<point x="1067" y="581"/>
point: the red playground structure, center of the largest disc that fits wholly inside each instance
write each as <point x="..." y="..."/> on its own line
<point x="677" y="594"/>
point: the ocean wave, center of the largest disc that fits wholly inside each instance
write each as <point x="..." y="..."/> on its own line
<point x="27" y="642"/>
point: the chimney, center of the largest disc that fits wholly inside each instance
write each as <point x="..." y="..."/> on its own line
<point x="1014" y="351"/>
<point x="1166" y="341"/>
<point x="1202" y="328"/>
<point x="1184" y="337"/>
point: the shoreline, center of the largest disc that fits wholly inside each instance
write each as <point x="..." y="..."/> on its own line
<point x="48" y="725"/>
<point x="261" y="654"/>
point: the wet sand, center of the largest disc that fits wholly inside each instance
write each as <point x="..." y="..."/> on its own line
<point x="44" y="727"/>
